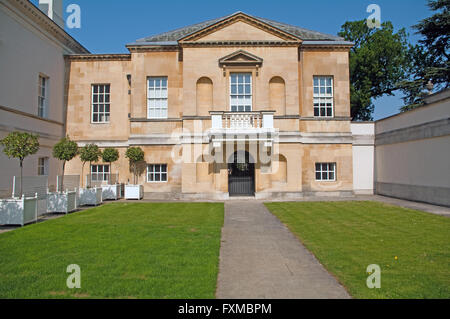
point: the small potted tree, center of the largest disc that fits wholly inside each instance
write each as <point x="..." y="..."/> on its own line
<point x="90" y="195"/>
<point x="134" y="191"/>
<point x="63" y="202"/>
<point x="112" y="190"/>
<point x="19" y="211"/>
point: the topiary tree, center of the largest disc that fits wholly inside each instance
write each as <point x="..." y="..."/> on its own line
<point x="135" y="155"/>
<point x="90" y="153"/>
<point x="20" y="145"/>
<point x="65" y="150"/>
<point x="110" y="155"/>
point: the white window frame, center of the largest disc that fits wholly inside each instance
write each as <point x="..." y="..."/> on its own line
<point x="325" y="168"/>
<point x="151" y="170"/>
<point x="323" y="96"/>
<point x="43" y="94"/>
<point x="240" y="97"/>
<point x="43" y="166"/>
<point x="97" y="172"/>
<point x="157" y="97"/>
<point x="101" y="103"/>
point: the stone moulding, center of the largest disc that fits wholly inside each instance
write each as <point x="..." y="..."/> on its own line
<point x="38" y="17"/>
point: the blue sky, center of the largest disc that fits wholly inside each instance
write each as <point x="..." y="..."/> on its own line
<point x="107" y="25"/>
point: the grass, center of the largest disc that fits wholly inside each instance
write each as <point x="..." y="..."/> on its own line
<point x="154" y="250"/>
<point x="346" y="237"/>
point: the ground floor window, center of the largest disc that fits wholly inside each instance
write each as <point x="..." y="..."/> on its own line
<point x="325" y="171"/>
<point x="43" y="166"/>
<point x="100" y="173"/>
<point x="156" y="173"/>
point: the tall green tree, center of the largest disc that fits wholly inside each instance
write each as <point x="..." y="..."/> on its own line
<point x="20" y="145"/>
<point x="378" y="63"/>
<point x="90" y="153"/>
<point x="135" y="155"/>
<point x="110" y="155"/>
<point x="429" y="58"/>
<point x="65" y="150"/>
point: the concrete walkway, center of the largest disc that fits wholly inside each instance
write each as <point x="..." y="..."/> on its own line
<point x="260" y="258"/>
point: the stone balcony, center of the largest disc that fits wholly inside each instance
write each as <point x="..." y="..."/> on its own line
<point x="241" y="126"/>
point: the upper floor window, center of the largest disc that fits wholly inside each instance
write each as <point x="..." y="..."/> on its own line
<point x="157" y="97"/>
<point x="43" y="96"/>
<point x="100" y="173"/>
<point x="43" y="166"/>
<point x="323" y="96"/>
<point x="156" y="173"/>
<point x="241" y="92"/>
<point x="101" y="106"/>
<point x="326" y="172"/>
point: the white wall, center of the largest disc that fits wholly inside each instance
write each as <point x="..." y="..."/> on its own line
<point x="412" y="154"/>
<point x="26" y="51"/>
<point x="363" y="157"/>
<point x="423" y="162"/>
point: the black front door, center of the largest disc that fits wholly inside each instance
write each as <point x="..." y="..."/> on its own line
<point x="241" y="177"/>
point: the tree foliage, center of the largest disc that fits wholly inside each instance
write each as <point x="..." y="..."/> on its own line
<point x="110" y="155"/>
<point x="65" y="150"/>
<point x="20" y="145"/>
<point x="90" y="153"/>
<point x="378" y="63"/>
<point x="429" y="58"/>
<point x="135" y="155"/>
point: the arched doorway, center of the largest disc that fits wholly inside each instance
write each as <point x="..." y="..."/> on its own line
<point x="241" y="174"/>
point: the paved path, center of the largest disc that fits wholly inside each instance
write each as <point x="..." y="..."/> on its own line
<point x="260" y="258"/>
<point x="429" y="208"/>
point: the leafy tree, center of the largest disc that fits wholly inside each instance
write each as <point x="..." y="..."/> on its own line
<point x="135" y="155"/>
<point x="20" y="145"/>
<point x="90" y="153"/>
<point x="110" y="155"/>
<point x="65" y="150"/>
<point x="429" y="58"/>
<point x="378" y="62"/>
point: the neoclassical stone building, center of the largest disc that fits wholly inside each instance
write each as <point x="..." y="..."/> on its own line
<point x="238" y="105"/>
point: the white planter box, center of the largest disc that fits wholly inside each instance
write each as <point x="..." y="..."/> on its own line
<point x="112" y="192"/>
<point x="134" y="192"/>
<point x="90" y="196"/>
<point x="18" y="211"/>
<point x="62" y="202"/>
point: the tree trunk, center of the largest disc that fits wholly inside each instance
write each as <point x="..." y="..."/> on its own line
<point x="21" y="178"/>
<point x="62" y="178"/>
<point x="82" y="171"/>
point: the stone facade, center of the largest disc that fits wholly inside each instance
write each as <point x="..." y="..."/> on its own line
<point x="193" y="138"/>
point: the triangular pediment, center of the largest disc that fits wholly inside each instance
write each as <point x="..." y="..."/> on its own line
<point x="239" y="27"/>
<point x="241" y="57"/>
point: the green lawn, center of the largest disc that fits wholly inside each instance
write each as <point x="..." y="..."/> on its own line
<point x="346" y="237"/>
<point x="124" y="251"/>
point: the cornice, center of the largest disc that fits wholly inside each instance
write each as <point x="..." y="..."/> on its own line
<point x="239" y="43"/>
<point x="153" y="48"/>
<point x="98" y="57"/>
<point x="38" y="17"/>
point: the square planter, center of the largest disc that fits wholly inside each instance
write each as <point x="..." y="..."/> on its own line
<point x="62" y="202"/>
<point x="90" y="196"/>
<point x="134" y="192"/>
<point x="112" y="192"/>
<point x="20" y="211"/>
